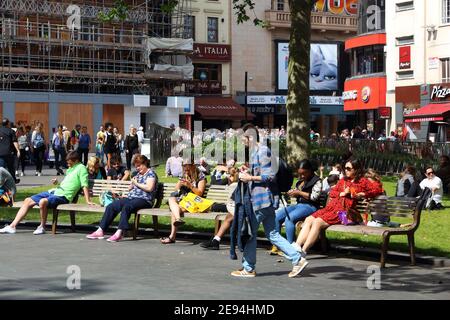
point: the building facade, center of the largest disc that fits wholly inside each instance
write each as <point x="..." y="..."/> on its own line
<point x="418" y="82"/>
<point x="210" y="27"/>
<point x="263" y="53"/>
<point x="60" y="63"/>
<point x="365" y="89"/>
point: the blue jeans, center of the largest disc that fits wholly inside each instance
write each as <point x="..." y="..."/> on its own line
<point x="296" y="212"/>
<point x="267" y="217"/>
<point x="126" y="207"/>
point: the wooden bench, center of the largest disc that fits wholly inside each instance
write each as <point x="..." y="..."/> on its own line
<point x="387" y="206"/>
<point x="216" y="193"/>
<point x="96" y="187"/>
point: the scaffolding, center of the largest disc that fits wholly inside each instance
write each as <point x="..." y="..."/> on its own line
<point x="39" y="52"/>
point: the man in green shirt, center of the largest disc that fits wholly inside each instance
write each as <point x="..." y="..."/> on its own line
<point x="76" y="178"/>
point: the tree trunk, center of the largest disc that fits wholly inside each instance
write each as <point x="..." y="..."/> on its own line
<point x="297" y="105"/>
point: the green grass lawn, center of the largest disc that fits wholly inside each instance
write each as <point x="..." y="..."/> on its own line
<point x="432" y="237"/>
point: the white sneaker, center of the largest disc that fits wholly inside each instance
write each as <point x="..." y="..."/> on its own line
<point x="8" y="230"/>
<point x="22" y="174"/>
<point x="298" y="268"/>
<point x="36" y="173"/>
<point x="375" y="224"/>
<point x="297" y="247"/>
<point x="39" y="230"/>
<point x="17" y="172"/>
<point x="39" y="174"/>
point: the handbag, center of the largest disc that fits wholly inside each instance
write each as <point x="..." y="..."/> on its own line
<point x="106" y="198"/>
<point x="349" y="216"/>
<point x="195" y="204"/>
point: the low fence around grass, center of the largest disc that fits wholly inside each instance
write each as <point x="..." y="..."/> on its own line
<point x="384" y="156"/>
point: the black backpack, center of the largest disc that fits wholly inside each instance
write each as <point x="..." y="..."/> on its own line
<point x="284" y="177"/>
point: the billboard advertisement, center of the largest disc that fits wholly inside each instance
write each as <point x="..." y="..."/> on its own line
<point x="323" y="75"/>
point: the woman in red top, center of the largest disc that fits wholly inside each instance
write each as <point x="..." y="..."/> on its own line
<point x="344" y="196"/>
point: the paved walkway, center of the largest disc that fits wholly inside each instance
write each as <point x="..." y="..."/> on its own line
<point x="34" y="267"/>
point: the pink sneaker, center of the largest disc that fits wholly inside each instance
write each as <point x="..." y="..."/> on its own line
<point x="115" y="238"/>
<point x="97" y="235"/>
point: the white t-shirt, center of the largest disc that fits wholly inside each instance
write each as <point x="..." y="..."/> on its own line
<point x="435" y="182"/>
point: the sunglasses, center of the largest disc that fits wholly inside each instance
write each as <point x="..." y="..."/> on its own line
<point x="348" y="168"/>
<point x="428" y="173"/>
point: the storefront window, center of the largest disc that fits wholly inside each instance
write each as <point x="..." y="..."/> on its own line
<point x="370" y="60"/>
<point x="207" y="79"/>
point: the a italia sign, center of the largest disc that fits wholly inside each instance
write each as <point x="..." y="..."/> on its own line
<point x="220" y="52"/>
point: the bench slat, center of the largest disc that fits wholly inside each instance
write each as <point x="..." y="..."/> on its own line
<point x="359" y="229"/>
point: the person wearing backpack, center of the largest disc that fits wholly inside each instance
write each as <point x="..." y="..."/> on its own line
<point x="307" y="192"/>
<point x="258" y="180"/>
<point x="59" y="146"/>
<point x="38" y="143"/>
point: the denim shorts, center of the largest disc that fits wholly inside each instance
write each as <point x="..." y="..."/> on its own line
<point x="53" y="201"/>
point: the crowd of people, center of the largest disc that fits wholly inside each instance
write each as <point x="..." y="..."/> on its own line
<point x="359" y="134"/>
<point x="253" y="187"/>
<point x="23" y="145"/>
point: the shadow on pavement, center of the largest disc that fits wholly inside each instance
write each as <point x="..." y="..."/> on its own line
<point x="47" y="288"/>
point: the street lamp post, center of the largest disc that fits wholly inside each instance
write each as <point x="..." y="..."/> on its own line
<point x="245" y="103"/>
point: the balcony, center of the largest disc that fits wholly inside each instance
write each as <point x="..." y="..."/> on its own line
<point x="319" y="21"/>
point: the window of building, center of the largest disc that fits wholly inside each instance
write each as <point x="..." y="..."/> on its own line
<point x="445" y="66"/>
<point x="445" y="11"/>
<point x="402" y="75"/>
<point x="213" y="29"/>
<point x="89" y="32"/>
<point x="44" y="31"/>
<point x="401" y="41"/>
<point x="207" y="79"/>
<point x="189" y="27"/>
<point x="280" y="5"/>
<point x="406" y="5"/>
<point x="8" y="27"/>
<point x="370" y="60"/>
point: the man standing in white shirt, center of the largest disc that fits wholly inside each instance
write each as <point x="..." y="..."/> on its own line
<point x="435" y="184"/>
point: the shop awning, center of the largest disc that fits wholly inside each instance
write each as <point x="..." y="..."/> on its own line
<point x="430" y="112"/>
<point x="224" y="108"/>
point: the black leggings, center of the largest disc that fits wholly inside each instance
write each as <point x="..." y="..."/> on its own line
<point x="23" y="159"/>
<point x="39" y="157"/>
<point x="60" y="158"/>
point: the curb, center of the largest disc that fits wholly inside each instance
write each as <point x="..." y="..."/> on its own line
<point x="373" y="254"/>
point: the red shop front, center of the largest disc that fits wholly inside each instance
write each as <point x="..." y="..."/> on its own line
<point x="366" y="95"/>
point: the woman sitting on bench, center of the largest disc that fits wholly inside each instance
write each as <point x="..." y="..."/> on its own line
<point x="343" y="198"/>
<point x="140" y="196"/>
<point x="193" y="181"/>
<point x="307" y="193"/>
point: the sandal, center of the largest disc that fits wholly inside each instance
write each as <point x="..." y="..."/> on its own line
<point x="167" y="240"/>
<point x="178" y="223"/>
